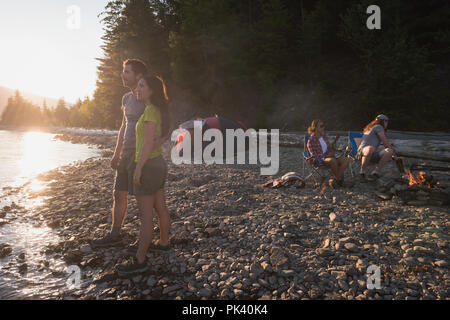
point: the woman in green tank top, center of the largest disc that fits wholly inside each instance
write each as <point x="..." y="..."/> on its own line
<point x="150" y="173"/>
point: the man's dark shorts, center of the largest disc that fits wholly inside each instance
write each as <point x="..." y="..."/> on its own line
<point x="122" y="174"/>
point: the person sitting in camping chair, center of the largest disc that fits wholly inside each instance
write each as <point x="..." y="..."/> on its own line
<point x="323" y="153"/>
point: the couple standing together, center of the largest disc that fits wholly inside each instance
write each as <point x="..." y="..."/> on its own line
<point x="140" y="168"/>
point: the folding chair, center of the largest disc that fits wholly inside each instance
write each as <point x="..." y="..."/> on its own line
<point x="354" y="140"/>
<point x="322" y="171"/>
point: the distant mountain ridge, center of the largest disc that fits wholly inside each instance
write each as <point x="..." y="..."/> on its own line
<point x="5" y="93"/>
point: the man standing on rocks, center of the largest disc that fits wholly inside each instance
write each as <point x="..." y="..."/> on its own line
<point x="125" y="151"/>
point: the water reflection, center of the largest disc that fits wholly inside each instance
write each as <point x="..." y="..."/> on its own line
<point x="28" y="235"/>
<point x="24" y="155"/>
<point x="36" y="186"/>
<point x="36" y="153"/>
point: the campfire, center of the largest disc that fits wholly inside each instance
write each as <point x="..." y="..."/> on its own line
<point x="422" y="179"/>
<point x="415" y="189"/>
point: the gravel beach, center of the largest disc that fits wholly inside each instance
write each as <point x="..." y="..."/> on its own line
<point x="235" y="239"/>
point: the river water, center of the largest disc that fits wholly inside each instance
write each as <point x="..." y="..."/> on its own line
<point x="26" y="273"/>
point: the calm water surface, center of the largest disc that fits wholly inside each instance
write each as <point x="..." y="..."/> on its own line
<point x="23" y="156"/>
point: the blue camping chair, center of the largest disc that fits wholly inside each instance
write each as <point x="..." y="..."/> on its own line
<point x="320" y="172"/>
<point x="354" y="140"/>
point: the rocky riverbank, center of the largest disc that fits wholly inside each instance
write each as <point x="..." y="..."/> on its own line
<point x="235" y="239"/>
<point x="97" y="139"/>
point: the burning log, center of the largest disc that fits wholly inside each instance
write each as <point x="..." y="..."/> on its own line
<point x="422" y="179"/>
<point x="416" y="190"/>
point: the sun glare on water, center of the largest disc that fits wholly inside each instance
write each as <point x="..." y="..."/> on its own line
<point x="36" y="154"/>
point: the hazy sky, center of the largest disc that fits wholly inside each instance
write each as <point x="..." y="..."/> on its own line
<point x="45" y="51"/>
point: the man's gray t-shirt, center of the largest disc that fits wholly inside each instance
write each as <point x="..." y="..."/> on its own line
<point x="371" y="138"/>
<point x="132" y="110"/>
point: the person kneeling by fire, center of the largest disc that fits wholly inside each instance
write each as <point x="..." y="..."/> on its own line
<point x="374" y="135"/>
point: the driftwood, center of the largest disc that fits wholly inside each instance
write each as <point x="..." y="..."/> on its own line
<point x="436" y="150"/>
<point x="429" y="168"/>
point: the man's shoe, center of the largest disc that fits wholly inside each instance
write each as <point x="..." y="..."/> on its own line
<point x="131" y="267"/>
<point x="107" y="241"/>
<point x="156" y="247"/>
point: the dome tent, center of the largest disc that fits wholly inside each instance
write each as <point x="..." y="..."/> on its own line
<point x="215" y="122"/>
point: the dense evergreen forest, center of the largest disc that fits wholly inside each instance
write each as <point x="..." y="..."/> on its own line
<point x="273" y="63"/>
<point x="21" y="112"/>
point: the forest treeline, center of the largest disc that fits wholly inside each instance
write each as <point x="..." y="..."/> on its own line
<point x="21" y="112"/>
<point x="275" y="63"/>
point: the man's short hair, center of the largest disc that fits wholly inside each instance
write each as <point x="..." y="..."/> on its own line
<point x="138" y="66"/>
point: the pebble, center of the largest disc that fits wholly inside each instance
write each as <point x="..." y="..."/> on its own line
<point x="23" y="268"/>
<point x="278" y="257"/>
<point x="287" y="273"/>
<point x="411" y="261"/>
<point x="338" y="274"/>
<point x="263" y="282"/>
<point x="343" y="284"/>
<point x="238" y="292"/>
<point x="351" y="247"/>
<point x="206" y="293"/>
<point x="5" y="250"/>
<point x="151" y="281"/>
<point x="266" y="266"/>
<point x="441" y="263"/>
<point x="86" y="249"/>
<point x="324" y="252"/>
<point x="315" y="293"/>
<point x="170" y="289"/>
<point x="332" y="216"/>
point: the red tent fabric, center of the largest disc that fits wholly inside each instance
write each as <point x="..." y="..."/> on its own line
<point x="210" y="123"/>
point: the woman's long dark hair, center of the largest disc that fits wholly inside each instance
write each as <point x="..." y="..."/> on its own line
<point x="160" y="99"/>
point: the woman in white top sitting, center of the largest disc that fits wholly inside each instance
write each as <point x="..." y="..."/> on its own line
<point x="322" y="153"/>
